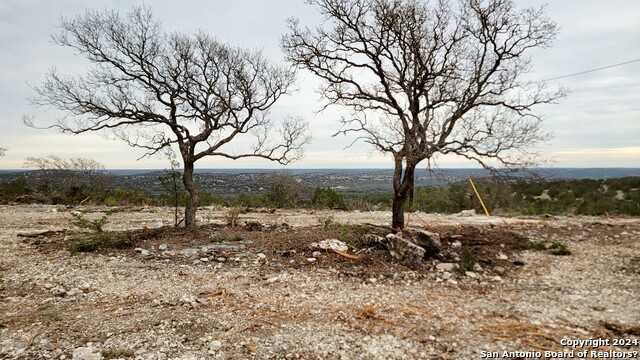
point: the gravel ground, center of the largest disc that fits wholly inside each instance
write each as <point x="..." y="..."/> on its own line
<point x="55" y="305"/>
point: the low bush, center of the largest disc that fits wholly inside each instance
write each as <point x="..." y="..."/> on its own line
<point x="232" y="216"/>
<point x="559" y="248"/>
<point x="78" y="220"/>
<point x="327" y="198"/>
<point x="84" y="243"/>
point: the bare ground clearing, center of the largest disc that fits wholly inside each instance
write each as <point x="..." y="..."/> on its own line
<point x="265" y="299"/>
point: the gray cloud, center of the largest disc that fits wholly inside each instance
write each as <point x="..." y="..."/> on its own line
<point x="597" y="125"/>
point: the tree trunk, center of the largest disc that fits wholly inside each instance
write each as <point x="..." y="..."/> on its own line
<point x="397" y="220"/>
<point x="192" y="198"/>
<point x="403" y="183"/>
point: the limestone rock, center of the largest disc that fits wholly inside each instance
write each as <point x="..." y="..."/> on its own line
<point x="86" y="353"/>
<point x="446" y="267"/>
<point x="429" y="241"/>
<point x="406" y="252"/>
<point x="330" y="244"/>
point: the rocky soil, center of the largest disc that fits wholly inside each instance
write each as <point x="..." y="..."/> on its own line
<point x="261" y="292"/>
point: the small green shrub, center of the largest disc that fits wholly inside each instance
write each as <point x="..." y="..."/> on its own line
<point x="559" y="248"/>
<point x="102" y="240"/>
<point x="538" y="245"/>
<point x="326" y="221"/>
<point x="467" y="260"/>
<point x="83" y="223"/>
<point x="327" y="198"/>
<point x="117" y="353"/>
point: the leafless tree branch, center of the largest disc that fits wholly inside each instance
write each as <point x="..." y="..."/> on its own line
<point x="426" y="78"/>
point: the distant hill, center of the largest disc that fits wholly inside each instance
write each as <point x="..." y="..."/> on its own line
<point x="235" y="181"/>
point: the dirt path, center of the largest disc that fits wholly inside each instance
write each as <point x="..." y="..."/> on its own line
<point x="126" y="305"/>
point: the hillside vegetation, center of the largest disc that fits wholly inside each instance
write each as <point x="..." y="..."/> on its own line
<point x="524" y="197"/>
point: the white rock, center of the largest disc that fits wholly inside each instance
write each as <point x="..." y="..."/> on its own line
<point x="59" y="291"/>
<point x="261" y="256"/>
<point x="330" y="244"/>
<point x="204" y="259"/>
<point x="163" y="247"/>
<point x="86" y="353"/>
<point x="189" y="252"/>
<point x="317" y="254"/>
<point x="311" y="260"/>
<point x="471" y="274"/>
<point x="74" y="292"/>
<point x="446" y="267"/>
<point x="157" y="224"/>
<point x="502" y="256"/>
<point x="456" y="244"/>
<point x="215" y="345"/>
<point x="471" y="212"/>
<point x="142" y="252"/>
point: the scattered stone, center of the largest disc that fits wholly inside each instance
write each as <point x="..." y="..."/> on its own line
<point x="471" y="274"/>
<point x="215" y="346"/>
<point x="375" y="241"/>
<point x="189" y="252"/>
<point x="75" y="292"/>
<point x="223" y="247"/>
<point x="465" y="213"/>
<point x="429" y="241"/>
<point x="156" y="224"/>
<point x="204" y="259"/>
<point x="163" y="247"/>
<point x="406" y="252"/>
<point x="446" y="267"/>
<point x="143" y="252"/>
<point x="330" y="244"/>
<point x="86" y="353"/>
<point x="311" y="260"/>
<point x="477" y="267"/>
<point x="316" y="254"/>
<point x="221" y="259"/>
<point x="456" y="244"/>
<point x="59" y="291"/>
<point x="502" y="256"/>
<point x="274" y="279"/>
<point x="253" y="226"/>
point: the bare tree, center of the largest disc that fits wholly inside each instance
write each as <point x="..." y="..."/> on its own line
<point x="54" y="163"/>
<point x="69" y="175"/>
<point x="156" y="90"/>
<point x="429" y="78"/>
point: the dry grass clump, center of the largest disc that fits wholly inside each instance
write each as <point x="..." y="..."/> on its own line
<point x="232" y="216"/>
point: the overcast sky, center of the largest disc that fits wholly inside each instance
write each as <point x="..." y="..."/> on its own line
<point x="598" y="124"/>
